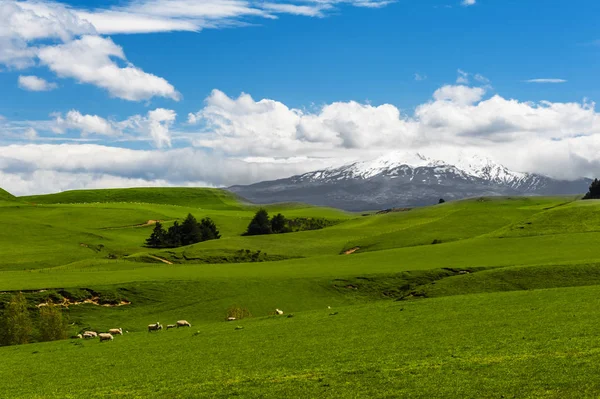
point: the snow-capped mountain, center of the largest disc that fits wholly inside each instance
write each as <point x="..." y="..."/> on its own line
<point x="406" y="179"/>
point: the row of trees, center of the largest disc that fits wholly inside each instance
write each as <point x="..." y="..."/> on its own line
<point x="190" y="231"/>
<point x="17" y="326"/>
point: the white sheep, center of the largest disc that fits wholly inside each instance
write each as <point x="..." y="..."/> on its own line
<point x="105" y="337"/>
<point x="230" y="318"/>
<point x="169" y="326"/>
<point x="279" y="311"/>
<point x="90" y="334"/>
<point x="154" y="327"/>
<point x="116" y="331"/>
<point x="183" y="323"/>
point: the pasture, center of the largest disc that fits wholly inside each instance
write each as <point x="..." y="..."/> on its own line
<point x="486" y="297"/>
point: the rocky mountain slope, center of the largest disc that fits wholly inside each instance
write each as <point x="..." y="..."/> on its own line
<point x="400" y="180"/>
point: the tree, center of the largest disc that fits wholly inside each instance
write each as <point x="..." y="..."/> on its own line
<point x="260" y="224"/>
<point x="209" y="230"/>
<point x="594" y="191"/>
<point x="173" y="238"/>
<point x="16" y="323"/>
<point x="278" y="224"/>
<point x="53" y="326"/>
<point x="191" y="232"/>
<point x="441" y="201"/>
<point x="157" y="238"/>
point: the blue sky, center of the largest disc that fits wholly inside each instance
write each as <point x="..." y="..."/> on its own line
<point x="338" y="80"/>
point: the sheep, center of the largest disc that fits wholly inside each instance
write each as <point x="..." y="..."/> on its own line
<point x="169" y="326"/>
<point x="154" y="327"/>
<point x="90" y="334"/>
<point x="116" y="331"/>
<point x="278" y="311"/>
<point x="231" y="318"/>
<point x="105" y="337"/>
<point x="183" y="323"/>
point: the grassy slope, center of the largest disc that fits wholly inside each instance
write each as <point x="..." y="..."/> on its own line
<point x="524" y="344"/>
<point x="6" y="196"/>
<point x="526" y="243"/>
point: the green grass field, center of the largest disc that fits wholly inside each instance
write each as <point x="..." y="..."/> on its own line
<point x="487" y="297"/>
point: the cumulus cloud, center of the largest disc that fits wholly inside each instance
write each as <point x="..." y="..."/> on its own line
<point x="24" y="23"/>
<point x="243" y="140"/>
<point x="467" y="3"/>
<point x="34" y="83"/>
<point x="154" y="126"/>
<point x="90" y="60"/>
<point x="85" y="124"/>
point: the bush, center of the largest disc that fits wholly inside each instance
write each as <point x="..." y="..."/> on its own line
<point x="238" y="312"/>
<point x="53" y="326"/>
<point x="15" y="323"/>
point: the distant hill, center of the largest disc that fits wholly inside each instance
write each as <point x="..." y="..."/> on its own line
<point x="6" y="196"/>
<point x="400" y="180"/>
<point x="209" y="198"/>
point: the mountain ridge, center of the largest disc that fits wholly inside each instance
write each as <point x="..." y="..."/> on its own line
<point x="401" y="179"/>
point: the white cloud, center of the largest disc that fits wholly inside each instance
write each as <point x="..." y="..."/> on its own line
<point x="33" y="168"/>
<point x="467" y="3"/>
<point x="144" y="16"/>
<point x="23" y="23"/>
<point x="155" y="125"/>
<point x="34" y="83"/>
<point x="88" y="60"/>
<point x="546" y="81"/>
<point x="419" y="77"/>
<point x="31" y="134"/>
<point x="85" y="124"/>
<point x="463" y="95"/>
<point x="463" y="77"/>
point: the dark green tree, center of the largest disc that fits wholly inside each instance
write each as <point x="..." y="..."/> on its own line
<point x="260" y="224"/>
<point x="173" y="238"/>
<point x="278" y="224"/>
<point x="158" y="237"/>
<point x="209" y="230"/>
<point x="441" y="201"/>
<point x="191" y="232"/>
<point x="594" y="191"/>
<point x="53" y="326"/>
<point x="15" y="322"/>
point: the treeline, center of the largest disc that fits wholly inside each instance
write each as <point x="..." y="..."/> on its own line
<point x="261" y="224"/>
<point x="17" y="326"/>
<point x="190" y="231"/>
<point x="594" y="191"/>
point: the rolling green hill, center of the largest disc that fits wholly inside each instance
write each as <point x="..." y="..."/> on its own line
<point x="6" y="196"/>
<point x="465" y="299"/>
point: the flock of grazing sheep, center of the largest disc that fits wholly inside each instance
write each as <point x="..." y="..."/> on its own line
<point x="109" y="336"/>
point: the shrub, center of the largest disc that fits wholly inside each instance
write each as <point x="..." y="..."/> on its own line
<point x="238" y="312"/>
<point x="53" y="326"/>
<point x="15" y="323"/>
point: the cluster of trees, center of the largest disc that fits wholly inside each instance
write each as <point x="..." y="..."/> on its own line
<point x="594" y="191"/>
<point x="17" y="326"/>
<point x="190" y="231"/>
<point x="262" y="224"/>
